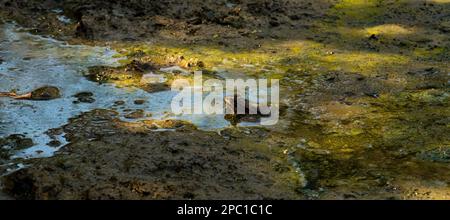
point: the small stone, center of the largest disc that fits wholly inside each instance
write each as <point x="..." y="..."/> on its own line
<point x="85" y="97"/>
<point x="83" y="94"/>
<point x="172" y="124"/>
<point x="45" y="93"/>
<point x="373" y="37"/>
<point x="136" y="114"/>
<point x="119" y="103"/>
<point x="16" y="141"/>
<point x="54" y="143"/>
<point x="155" y="87"/>
<point x="139" y="102"/>
<point x="86" y="100"/>
<point x="175" y="70"/>
<point x="201" y="64"/>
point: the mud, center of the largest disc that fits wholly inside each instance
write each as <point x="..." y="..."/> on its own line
<point x="112" y="159"/>
<point x="13" y="143"/>
<point x="145" y="20"/>
<point x="365" y="97"/>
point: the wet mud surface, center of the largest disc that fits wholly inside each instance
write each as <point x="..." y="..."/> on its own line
<point x="364" y="101"/>
<point x="112" y="159"/>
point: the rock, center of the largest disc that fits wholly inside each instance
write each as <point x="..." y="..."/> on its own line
<point x="85" y="97"/>
<point x="86" y="100"/>
<point x="175" y="70"/>
<point x="232" y="104"/>
<point x="45" y="93"/>
<point x="83" y="94"/>
<point x="136" y="54"/>
<point x="130" y="73"/>
<point x="136" y="114"/>
<point x="15" y="142"/>
<point x="151" y="78"/>
<point x="54" y="143"/>
<point x="139" y="102"/>
<point x="84" y="29"/>
<point x="373" y="37"/>
<point x="138" y="66"/>
<point x="155" y="87"/>
<point x="119" y="103"/>
<point x="201" y="64"/>
<point x="234" y="118"/>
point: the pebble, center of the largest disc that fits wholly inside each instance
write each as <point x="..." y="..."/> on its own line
<point x="119" y="103"/>
<point x="136" y="114"/>
<point x="85" y="97"/>
<point x="139" y="102"/>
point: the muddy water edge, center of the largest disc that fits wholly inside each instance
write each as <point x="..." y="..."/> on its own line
<point x="365" y="111"/>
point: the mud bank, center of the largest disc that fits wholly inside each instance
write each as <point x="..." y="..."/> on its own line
<point x="163" y="19"/>
<point x="112" y="159"/>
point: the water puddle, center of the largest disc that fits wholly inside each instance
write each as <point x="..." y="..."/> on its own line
<point x="30" y="62"/>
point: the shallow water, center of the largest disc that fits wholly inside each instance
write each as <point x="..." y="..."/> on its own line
<point x="32" y="61"/>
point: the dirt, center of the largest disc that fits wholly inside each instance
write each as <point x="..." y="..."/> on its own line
<point x="147" y="20"/>
<point x="112" y="159"/>
<point x="365" y="98"/>
<point x="11" y="143"/>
